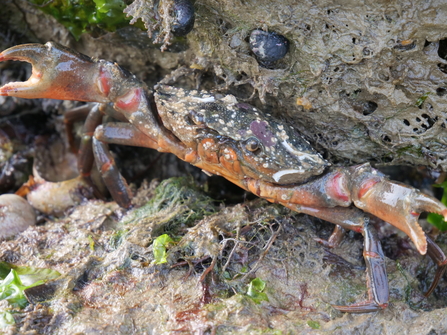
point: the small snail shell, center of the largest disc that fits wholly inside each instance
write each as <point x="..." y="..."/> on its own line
<point x="55" y="198"/>
<point x="16" y="215"/>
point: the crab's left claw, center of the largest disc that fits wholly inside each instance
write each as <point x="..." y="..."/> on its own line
<point x="393" y="202"/>
<point x="58" y="73"/>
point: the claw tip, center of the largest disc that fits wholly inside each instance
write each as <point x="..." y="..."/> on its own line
<point x="4" y="91"/>
<point x="421" y="245"/>
<point x="444" y="214"/>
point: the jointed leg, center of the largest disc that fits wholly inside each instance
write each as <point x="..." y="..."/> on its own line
<point x="438" y="256"/>
<point x="335" y="239"/>
<point x="124" y="134"/>
<point x="377" y="281"/>
<point x="85" y="158"/>
<point x="70" y="117"/>
<point x="113" y="179"/>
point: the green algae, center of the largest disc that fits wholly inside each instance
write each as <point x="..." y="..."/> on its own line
<point x="85" y="15"/>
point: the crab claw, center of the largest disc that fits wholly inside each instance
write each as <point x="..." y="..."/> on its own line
<point x="58" y="73"/>
<point x="393" y="202"/>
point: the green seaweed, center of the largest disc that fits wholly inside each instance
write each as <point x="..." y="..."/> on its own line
<point x="159" y="248"/>
<point x="313" y="324"/>
<point x="177" y="201"/>
<point x="6" y="319"/>
<point x="85" y="15"/>
<point x="14" y="280"/>
<point x="422" y="99"/>
<point x="256" y="290"/>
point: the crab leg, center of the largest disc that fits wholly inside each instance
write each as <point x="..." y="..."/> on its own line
<point x="70" y="117"/>
<point x="377" y="280"/>
<point x="85" y="157"/>
<point x="335" y="239"/>
<point x="61" y="73"/>
<point x="437" y="255"/>
<point x="354" y="219"/>
<point x="396" y="203"/>
<point x="58" y="73"/>
<point x="64" y="74"/>
<point x="124" y="134"/>
<point x="118" y="133"/>
<point x="366" y="188"/>
<point x="393" y="202"/>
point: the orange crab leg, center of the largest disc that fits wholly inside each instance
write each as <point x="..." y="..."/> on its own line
<point x="393" y="202"/>
<point x="64" y="74"/>
<point x="396" y="203"/>
<point x="56" y="74"/>
<point x="61" y="73"/>
<point x="368" y="189"/>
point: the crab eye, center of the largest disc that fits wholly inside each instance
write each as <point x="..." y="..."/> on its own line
<point x="252" y="144"/>
<point x="196" y="117"/>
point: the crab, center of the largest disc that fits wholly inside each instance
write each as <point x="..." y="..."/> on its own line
<point x="235" y="140"/>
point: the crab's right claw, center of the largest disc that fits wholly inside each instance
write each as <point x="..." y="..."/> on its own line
<point x="395" y="203"/>
<point x="58" y="73"/>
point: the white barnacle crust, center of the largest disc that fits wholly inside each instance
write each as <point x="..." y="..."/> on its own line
<point x="229" y="99"/>
<point x="205" y="99"/>
<point x="301" y="155"/>
<point x="209" y="174"/>
<point x="278" y="175"/>
<point x="180" y="93"/>
<point x="284" y="197"/>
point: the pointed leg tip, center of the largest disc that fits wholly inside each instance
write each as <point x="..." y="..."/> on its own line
<point x="3" y="56"/>
<point x="4" y="91"/>
<point x="10" y="55"/>
<point x="421" y="244"/>
<point x="16" y="89"/>
<point x="362" y="307"/>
